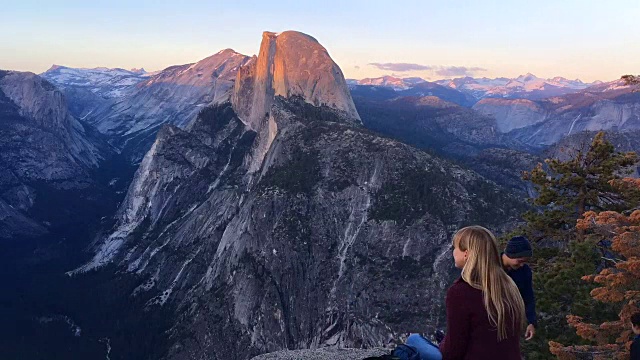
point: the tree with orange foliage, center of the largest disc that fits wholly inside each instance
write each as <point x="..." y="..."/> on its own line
<point x="619" y="283"/>
<point x="567" y="187"/>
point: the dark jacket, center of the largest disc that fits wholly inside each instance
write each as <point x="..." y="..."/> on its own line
<point x="635" y="348"/>
<point x="470" y="336"/>
<point x="523" y="277"/>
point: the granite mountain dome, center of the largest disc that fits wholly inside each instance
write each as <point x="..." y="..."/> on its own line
<point x="290" y="64"/>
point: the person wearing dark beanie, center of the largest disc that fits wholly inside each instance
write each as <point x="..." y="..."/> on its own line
<point x="514" y="260"/>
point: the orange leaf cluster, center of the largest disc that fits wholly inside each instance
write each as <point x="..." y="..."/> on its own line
<point x="601" y="352"/>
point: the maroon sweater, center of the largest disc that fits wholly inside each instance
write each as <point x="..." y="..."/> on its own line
<point x="469" y="333"/>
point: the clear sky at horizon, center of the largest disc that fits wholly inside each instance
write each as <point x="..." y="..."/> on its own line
<point x="433" y="39"/>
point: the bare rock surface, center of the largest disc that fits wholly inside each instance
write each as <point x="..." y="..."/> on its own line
<point x="323" y="354"/>
<point x="43" y="150"/>
<point x="612" y="107"/>
<point x="290" y="64"/>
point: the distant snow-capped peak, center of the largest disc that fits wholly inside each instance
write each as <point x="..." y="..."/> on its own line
<point x="393" y="82"/>
<point x="526" y="86"/>
<point x="102" y="81"/>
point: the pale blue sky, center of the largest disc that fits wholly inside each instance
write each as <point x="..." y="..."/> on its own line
<point x="576" y="39"/>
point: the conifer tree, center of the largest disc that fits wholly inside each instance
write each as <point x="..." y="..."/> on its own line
<point x="618" y="284"/>
<point x="568" y="188"/>
<point x="586" y="180"/>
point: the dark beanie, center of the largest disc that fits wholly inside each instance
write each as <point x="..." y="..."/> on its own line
<point x="518" y="247"/>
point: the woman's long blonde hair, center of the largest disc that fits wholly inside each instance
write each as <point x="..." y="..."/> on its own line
<point x="483" y="270"/>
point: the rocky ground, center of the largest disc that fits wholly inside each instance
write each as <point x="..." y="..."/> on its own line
<point x="323" y="354"/>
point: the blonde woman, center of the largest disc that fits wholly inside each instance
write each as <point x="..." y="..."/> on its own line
<point x="485" y="312"/>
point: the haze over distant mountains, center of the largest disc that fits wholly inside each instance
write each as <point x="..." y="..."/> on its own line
<point x="526" y="86"/>
<point x="135" y="103"/>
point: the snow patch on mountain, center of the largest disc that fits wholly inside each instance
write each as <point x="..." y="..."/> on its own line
<point x="104" y="82"/>
<point x="392" y="82"/>
<point x="524" y="86"/>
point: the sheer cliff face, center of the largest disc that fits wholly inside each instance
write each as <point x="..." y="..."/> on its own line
<point x="543" y="123"/>
<point x="512" y="114"/>
<point x="290" y="64"/>
<point x="41" y="147"/>
<point x="339" y="232"/>
<point x="280" y="222"/>
<point x="44" y="106"/>
<point x="132" y="115"/>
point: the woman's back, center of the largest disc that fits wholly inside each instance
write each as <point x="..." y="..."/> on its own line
<point x="470" y="334"/>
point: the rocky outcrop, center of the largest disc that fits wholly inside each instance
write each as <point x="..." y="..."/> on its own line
<point x="290" y="64"/>
<point x="511" y="114"/>
<point x="542" y="123"/>
<point x="43" y="149"/>
<point x="42" y="105"/>
<point x="131" y="107"/>
<point x="314" y="250"/>
<point x="323" y="354"/>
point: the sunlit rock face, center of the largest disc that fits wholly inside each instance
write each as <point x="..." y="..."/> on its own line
<point x="179" y="92"/>
<point x="277" y="221"/>
<point x="290" y="64"/>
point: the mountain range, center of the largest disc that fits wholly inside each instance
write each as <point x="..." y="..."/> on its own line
<point x="43" y="151"/>
<point x="274" y="205"/>
<point x="526" y="86"/>
<point x="131" y="107"/>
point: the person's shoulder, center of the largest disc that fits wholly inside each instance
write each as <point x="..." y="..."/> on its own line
<point x="459" y="287"/>
<point x="524" y="270"/>
<point x="459" y="283"/>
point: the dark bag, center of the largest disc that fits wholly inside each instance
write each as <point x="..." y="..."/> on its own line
<point x="382" y="357"/>
<point x="405" y="352"/>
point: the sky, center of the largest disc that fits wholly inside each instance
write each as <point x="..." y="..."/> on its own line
<point x="589" y="40"/>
